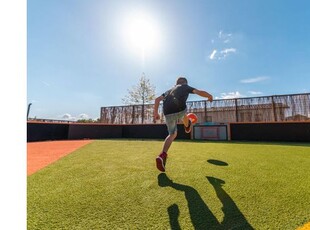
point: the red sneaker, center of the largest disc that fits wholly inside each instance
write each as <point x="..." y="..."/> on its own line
<point x="161" y="161"/>
<point x="163" y="156"/>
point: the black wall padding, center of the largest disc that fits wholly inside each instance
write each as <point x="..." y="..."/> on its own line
<point x="299" y="132"/>
<point x="53" y="131"/>
<point x="95" y="131"/>
<point x="46" y="131"/>
<point x="151" y="131"/>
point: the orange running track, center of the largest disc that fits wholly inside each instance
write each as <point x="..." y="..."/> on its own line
<point x="41" y="154"/>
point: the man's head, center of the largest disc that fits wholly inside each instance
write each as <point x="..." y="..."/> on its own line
<point x="181" y="81"/>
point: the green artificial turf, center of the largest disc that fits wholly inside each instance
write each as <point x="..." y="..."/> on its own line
<point x="114" y="184"/>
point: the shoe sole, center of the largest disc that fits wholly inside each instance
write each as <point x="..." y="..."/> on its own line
<point x="189" y="128"/>
<point x="160" y="164"/>
<point x="188" y="131"/>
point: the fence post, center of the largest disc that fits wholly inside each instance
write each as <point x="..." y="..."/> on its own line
<point x="142" y="118"/>
<point x="28" y="110"/>
<point x="274" y="109"/>
<point x="133" y="114"/>
<point x="205" y="110"/>
<point x="236" y="106"/>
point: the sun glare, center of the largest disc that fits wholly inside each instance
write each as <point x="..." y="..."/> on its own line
<point x="142" y="34"/>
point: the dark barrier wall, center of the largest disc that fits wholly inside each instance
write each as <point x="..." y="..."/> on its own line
<point x="94" y="131"/>
<point x="156" y="131"/>
<point x="73" y="131"/>
<point x="299" y="132"/>
<point x="47" y="131"/>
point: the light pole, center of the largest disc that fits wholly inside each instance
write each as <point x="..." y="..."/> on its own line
<point x="28" y="110"/>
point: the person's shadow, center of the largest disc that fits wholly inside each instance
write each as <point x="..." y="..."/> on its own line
<point x="200" y="214"/>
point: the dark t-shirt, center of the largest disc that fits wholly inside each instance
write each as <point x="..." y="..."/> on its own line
<point x="175" y="98"/>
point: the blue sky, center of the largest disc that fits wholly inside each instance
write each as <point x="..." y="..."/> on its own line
<point x="85" y="54"/>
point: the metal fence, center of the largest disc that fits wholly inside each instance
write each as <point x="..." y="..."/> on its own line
<point x="277" y="108"/>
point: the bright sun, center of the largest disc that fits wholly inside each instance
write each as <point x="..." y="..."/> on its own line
<point x="142" y="33"/>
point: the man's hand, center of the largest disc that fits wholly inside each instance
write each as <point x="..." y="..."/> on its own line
<point x="156" y="105"/>
<point x="210" y="98"/>
<point x="203" y="93"/>
<point x="156" y="116"/>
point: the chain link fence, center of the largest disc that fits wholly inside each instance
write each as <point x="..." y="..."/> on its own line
<point x="277" y="108"/>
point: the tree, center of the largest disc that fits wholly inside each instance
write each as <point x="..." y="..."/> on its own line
<point x="88" y="120"/>
<point x="142" y="93"/>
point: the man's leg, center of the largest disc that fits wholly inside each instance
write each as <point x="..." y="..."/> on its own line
<point x="171" y="122"/>
<point x="161" y="159"/>
<point x="185" y="120"/>
<point x="168" y="141"/>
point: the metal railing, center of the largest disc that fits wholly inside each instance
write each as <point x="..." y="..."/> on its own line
<point x="276" y="108"/>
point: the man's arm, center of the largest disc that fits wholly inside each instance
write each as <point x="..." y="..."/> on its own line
<point x="156" y="105"/>
<point x="203" y="93"/>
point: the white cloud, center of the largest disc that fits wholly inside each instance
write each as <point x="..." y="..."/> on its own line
<point x="220" y="49"/>
<point x="226" y="52"/>
<point x="222" y="54"/>
<point x="68" y="117"/>
<point x="229" y="50"/>
<point x="255" y="92"/>
<point x="212" y="54"/>
<point x="231" y="95"/>
<point x="254" y="80"/>
<point x="83" y="116"/>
